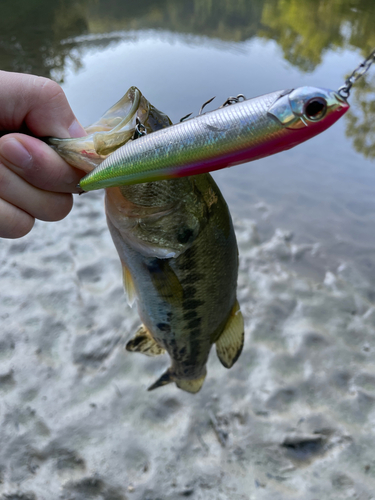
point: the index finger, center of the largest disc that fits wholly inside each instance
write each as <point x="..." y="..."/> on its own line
<point x="37" y="102"/>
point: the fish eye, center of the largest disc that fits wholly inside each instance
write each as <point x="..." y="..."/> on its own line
<point x="316" y="108"/>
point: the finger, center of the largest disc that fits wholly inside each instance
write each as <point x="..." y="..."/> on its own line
<point x="14" y="222"/>
<point x="40" y="204"/>
<point x="38" y="164"/>
<point x="38" y="102"/>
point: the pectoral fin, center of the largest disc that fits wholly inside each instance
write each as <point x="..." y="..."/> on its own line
<point x="165" y="281"/>
<point x="143" y="342"/>
<point x="230" y="343"/>
<point x="128" y="285"/>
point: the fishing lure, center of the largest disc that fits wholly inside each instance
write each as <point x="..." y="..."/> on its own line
<point x="241" y="130"/>
<point x="237" y="132"/>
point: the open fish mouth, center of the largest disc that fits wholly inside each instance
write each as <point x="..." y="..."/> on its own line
<point x="116" y="127"/>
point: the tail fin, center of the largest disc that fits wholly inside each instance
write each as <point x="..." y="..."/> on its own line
<point x="165" y="379"/>
<point x="191" y="386"/>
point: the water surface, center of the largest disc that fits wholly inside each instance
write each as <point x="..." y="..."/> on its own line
<point x="181" y="53"/>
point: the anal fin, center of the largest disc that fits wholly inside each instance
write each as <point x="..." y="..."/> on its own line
<point x="230" y="343"/>
<point x="144" y="343"/>
<point x="128" y="285"/>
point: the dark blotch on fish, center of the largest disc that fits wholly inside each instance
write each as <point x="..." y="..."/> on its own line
<point x="195" y="334"/>
<point x="182" y="352"/>
<point x="194" y="323"/>
<point x="153" y="266"/>
<point x="190" y="292"/>
<point x="190" y="315"/>
<point x="184" y="235"/>
<point x="189" y="260"/>
<point x="192" y="304"/>
<point x="164" y="327"/>
<point x="192" y="278"/>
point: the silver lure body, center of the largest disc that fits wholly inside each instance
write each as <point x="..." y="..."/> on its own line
<point x="233" y="134"/>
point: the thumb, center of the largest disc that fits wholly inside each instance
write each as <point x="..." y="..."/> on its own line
<point x="37" y="102"/>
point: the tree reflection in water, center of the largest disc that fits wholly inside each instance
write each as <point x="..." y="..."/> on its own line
<point x="361" y="118"/>
<point x="38" y="36"/>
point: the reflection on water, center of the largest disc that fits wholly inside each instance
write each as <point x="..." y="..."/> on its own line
<point x="318" y="190"/>
<point x="361" y="119"/>
<point x="32" y="32"/>
<point x="306" y="30"/>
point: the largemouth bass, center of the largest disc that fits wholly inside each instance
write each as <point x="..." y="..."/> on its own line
<point x="243" y="131"/>
<point x="179" y="254"/>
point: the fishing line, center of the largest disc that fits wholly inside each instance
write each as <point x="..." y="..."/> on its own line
<point x="359" y="71"/>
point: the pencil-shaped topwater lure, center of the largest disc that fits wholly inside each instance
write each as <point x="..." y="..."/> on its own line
<point x="242" y="130"/>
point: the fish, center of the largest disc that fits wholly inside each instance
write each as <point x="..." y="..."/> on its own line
<point x="241" y="130"/>
<point x="178" y="250"/>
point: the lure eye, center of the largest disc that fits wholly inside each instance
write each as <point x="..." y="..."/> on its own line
<point x="316" y="108"/>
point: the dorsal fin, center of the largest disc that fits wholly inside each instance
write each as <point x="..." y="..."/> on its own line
<point x="230" y="343"/>
<point x="128" y="285"/>
<point x="144" y="343"/>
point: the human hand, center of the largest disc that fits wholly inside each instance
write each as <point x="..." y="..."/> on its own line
<point x="35" y="183"/>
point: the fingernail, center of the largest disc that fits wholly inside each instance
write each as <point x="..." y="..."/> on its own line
<point x="76" y="130"/>
<point x="15" y="153"/>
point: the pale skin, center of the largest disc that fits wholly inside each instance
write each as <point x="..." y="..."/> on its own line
<point x="35" y="183"/>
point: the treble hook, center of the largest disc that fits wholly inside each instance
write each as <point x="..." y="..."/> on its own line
<point x="230" y="100"/>
<point x="140" y="129"/>
<point x="205" y="104"/>
<point x="233" y="100"/>
<point x="185" y="117"/>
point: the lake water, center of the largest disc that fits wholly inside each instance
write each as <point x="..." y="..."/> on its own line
<point x="181" y="53"/>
